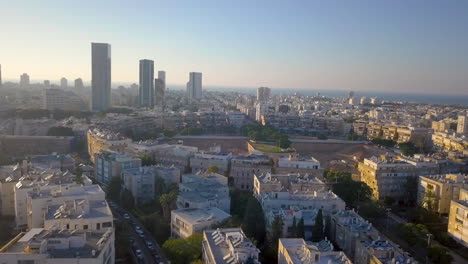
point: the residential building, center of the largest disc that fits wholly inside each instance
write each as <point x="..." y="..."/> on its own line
<point x="63" y="100"/>
<point x="24" y="80"/>
<point x="40" y="245"/>
<point x="390" y="177"/>
<point x="293" y="163"/>
<point x="291" y="217"/>
<point x="140" y="182"/>
<point x="236" y="119"/>
<point x="298" y="251"/>
<point x="202" y="161"/>
<point x="228" y="246"/>
<point x="146" y="94"/>
<point x="292" y="183"/>
<point x="458" y="218"/>
<point x="197" y="191"/>
<point x="101" y="76"/>
<point x="346" y="228"/>
<point x="52" y="161"/>
<point x="263" y="94"/>
<point x="110" y="164"/>
<point x="435" y="192"/>
<point x="244" y="167"/>
<point x="185" y="222"/>
<point x="194" y="86"/>
<point x="105" y="140"/>
<point x="462" y="125"/>
<point x="63" y="83"/>
<point x="380" y="251"/>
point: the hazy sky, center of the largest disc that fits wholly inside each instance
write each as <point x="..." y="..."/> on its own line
<point x="403" y="46"/>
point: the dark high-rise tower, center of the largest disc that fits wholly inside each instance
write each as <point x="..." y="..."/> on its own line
<point x="101" y="76"/>
<point x="146" y="92"/>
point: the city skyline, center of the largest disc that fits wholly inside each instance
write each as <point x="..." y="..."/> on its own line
<point x="420" y="46"/>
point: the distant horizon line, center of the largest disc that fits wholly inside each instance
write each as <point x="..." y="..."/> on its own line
<point x="115" y="85"/>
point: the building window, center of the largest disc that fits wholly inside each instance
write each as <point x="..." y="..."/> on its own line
<point x="106" y="224"/>
<point x="85" y="227"/>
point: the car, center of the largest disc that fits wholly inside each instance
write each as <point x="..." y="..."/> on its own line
<point x="138" y="253"/>
<point x="142" y="235"/>
<point x="149" y="245"/>
<point x="126" y="216"/>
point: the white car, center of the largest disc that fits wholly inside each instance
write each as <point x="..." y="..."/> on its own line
<point x="138" y="253"/>
<point x="126" y="216"/>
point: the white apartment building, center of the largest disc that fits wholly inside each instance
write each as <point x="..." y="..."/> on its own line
<point x="458" y="219"/>
<point x="140" y="182"/>
<point x="298" y="251"/>
<point x="228" y="246"/>
<point x="187" y="221"/>
<point x="202" y="161"/>
<point x="39" y="200"/>
<point x="44" y="246"/>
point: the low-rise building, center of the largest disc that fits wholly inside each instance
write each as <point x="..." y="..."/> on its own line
<point x="435" y="192"/>
<point x="202" y="161"/>
<point x="140" y="182"/>
<point x="380" y="251"/>
<point x="228" y="246"/>
<point x="347" y="228"/>
<point x="197" y="191"/>
<point x="99" y="140"/>
<point x="44" y="246"/>
<point x="298" y="251"/>
<point x="297" y="164"/>
<point x="458" y="218"/>
<point x="187" y="221"/>
<point x="243" y="169"/>
<point x="108" y="164"/>
<point x="286" y="182"/>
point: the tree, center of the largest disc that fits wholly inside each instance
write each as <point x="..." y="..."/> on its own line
<point x="254" y="221"/>
<point x="430" y="201"/>
<point x="159" y="186"/>
<point x="155" y="224"/>
<point x="352" y="191"/>
<point x="168" y="203"/>
<point x="294" y="227"/>
<point x="79" y="175"/>
<point x="384" y="142"/>
<point x="127" y="200"/>
<point x="276" y="232"/>
<point x="213" y="169"/>
<point x="407" y="149"/>
<point x="114" y="188"/>
<point x="439" y="254"/>
<point x="147" y="160"/>
<point x="239" y="200"/>
<point x="184" y="251"/>
<point x="300" y="232"/>
<point x="317" y="230"/>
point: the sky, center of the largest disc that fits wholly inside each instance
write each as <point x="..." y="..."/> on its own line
<point x="417" y="46"/>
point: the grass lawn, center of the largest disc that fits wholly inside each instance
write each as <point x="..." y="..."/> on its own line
<point x="271" y="148"/>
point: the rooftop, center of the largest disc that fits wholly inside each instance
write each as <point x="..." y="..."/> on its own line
<point x="448" y="178"/>
<point x="195" y="215"/>
<point x="225" y="243"/>
<point x="60" y="243"/>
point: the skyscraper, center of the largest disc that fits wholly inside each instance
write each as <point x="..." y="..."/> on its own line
<point x="0" y="76"/>
<point x="101" y="76"/>
<point x="24" y="80"/>
<point x="194" y="86"/>
<point x="79" y="84"/>
<point x="63" y="83"/>
<point x="47" y="83"/>
<point x="263" y="94"/>
<point x="146" y="92"/>
<point x="160" y="89"/>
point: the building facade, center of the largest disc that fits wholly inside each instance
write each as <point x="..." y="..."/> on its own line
<point x="101" y="76"/>
<point x="146" y="92"/>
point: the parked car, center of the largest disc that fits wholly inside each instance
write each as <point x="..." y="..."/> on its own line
<point x="126" y="217"/>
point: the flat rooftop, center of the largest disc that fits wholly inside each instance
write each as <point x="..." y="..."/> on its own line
<point x="194" y="215"/>
<point x="66" y="243"/>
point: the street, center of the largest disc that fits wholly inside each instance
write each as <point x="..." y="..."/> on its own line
<point x="148" y="256"/>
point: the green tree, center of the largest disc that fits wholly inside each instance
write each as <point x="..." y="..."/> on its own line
<point x="79" y="175"/>
<point x="213" y="168"/>
<point x="294" y="227"/>
<point x="113" y="188"/>
<point x="317" y="231"/>
<point x="239" y="200"/>
<point x="127" y="200"/>
<point x="155" y="224"/>
<point x="276" y="232"/>
<point x="147" y="160"/>
<point x="407" y="149"/>
<point x="168" y="203"/>
<point x="300" y="233"/>
<point x="254" y="221"/>
<point x="430" y="201"/>
<point x="352" y="191"/>
<point x="159" y="186"/>
<point x="439" y="254"/>
<point x="384" y="142"/>
<point x="184" y="251"/>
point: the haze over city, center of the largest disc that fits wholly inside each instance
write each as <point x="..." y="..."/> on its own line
<point x="392" y="46"/>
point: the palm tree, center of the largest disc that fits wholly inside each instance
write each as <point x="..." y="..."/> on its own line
<point x="167" y="201"/>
